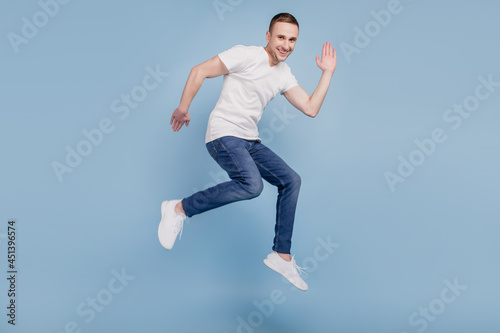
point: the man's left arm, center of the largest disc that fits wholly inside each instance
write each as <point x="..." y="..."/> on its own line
<point x="299" y="98"/>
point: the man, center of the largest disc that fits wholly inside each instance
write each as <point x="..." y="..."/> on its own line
<point x="252" y="77"/>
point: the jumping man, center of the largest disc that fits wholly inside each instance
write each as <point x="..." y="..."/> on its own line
<point x="253" y="75"/>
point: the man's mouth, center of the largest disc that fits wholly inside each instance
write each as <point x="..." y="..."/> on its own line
<point x="282" y="52"/>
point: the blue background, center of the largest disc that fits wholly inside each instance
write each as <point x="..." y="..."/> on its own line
<point x="394" y="249"/>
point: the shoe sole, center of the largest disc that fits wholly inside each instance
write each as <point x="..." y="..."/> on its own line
<point x="161" y="227"/>
<point x="269" y="264"/>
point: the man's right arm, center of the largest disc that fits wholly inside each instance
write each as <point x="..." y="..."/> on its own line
<point x="209" y="69"/>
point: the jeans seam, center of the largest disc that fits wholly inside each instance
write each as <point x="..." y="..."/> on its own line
<point x="278" y="218"/>
<point x="213" y="149"/>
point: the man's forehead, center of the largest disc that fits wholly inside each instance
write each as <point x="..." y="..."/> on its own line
<point x="286" y="29"/>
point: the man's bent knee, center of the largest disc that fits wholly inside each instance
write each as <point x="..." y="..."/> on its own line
<point x="294" y="180"/>
<point x="253" y="188"/>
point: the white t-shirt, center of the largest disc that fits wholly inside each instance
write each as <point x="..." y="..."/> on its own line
<point x="249" y="86"/>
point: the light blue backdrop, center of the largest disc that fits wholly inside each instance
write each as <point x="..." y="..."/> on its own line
<point x="398" y="217"/>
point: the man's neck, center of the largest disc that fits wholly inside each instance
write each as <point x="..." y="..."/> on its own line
<point x="272" y="62"/>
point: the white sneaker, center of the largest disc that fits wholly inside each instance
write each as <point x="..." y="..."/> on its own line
<point x="288" y="269"/>
<point x="170" y="225"/>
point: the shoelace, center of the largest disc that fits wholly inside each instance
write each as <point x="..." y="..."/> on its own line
<point x="298" y="268"/>
<point x="179" y="225"/>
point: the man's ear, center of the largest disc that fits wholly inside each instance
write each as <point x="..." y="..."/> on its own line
<point x="268" y="36"/>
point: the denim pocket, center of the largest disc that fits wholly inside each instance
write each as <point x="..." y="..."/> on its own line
<point x="219" y="140"/>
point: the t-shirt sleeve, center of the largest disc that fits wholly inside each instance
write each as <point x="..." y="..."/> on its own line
<point x="290" y="81"/>
<point x="234" y="58"/>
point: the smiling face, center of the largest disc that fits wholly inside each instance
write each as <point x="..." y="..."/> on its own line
<point x="281" y="41"/>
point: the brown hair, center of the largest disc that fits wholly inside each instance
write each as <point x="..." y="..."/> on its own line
<point x="283" y="17"/>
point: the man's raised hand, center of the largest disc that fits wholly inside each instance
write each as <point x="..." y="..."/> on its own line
<point x="179" y="117"/>
<point x="328" y="58"/>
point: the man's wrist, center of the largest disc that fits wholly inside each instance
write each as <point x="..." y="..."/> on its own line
<point x="183" y="108"/>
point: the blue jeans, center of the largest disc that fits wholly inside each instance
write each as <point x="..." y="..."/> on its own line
<point x="247" y="162"/>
